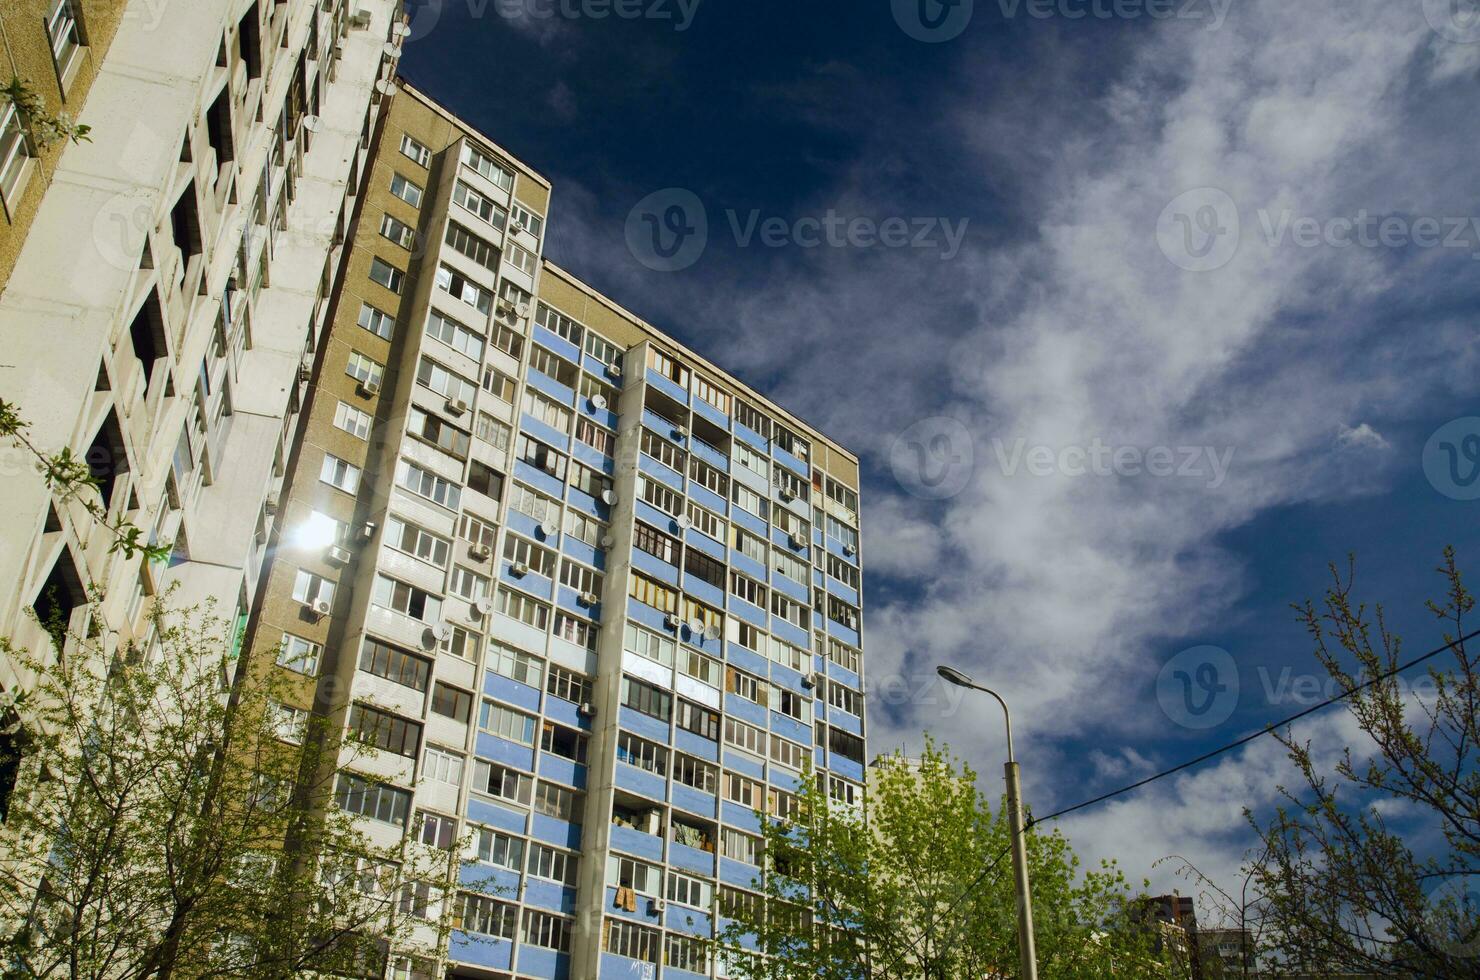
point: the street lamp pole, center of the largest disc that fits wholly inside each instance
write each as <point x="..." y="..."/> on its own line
<point x="1027" y="950"/>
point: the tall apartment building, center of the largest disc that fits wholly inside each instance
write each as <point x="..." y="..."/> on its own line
<point x="595" y="601"/>
<point x="170" y="277"/>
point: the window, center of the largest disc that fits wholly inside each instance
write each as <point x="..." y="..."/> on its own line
<point x="706" y="390"/>
<point x="588" y="481"/>
<point x="467" y="583"/>
<point x="843" y="572"/>
<point x="794" y="445"/>
<point x="747" y="792"/>
<point x="382" y="730"/>
<point x="394" y="665"/>
<point x="439" y="432"/>
<point x="668" y="367"/>
<point x="584" y="527"/>
<point x="650" y="645"/>
<point x="745" y="635"/>
<point x="603" y="350"/>
<point x="472" y="246"/>
<point x="406" y="599"/>
<point x="66" y="39"/>
<point x="417" y="541"/>
<point x="492" y="431"/>
<point x="753" y="689"/>
<point x="751" y="460"/>
<point x="650" y="593"/>
<point x="843" y="495"/>
<point x="508" y="340"/>
<point x="289" y="722"/>
<point x="662" y="450"/>
<point x="745" y="737"/>
<point x="397" y="231"/>
<point x="461" y="339"/>
<point x="791" y="524"/>
<point x="655" y="543"/>
<point x="845" y="698"/>
<point x="547" y="931"/>
<point x="485" y="480"/>
<point x="630" y="940"/>
<point x="567" y="685"/>
<point x="788" y="484"/>
<point x="704" y="669"/>
<point x="842" y="791"/>
<point x="748" y="589"/>
<point x="358" y="795"/>
<point x="580" y="579"/>
<point x="699" y="721"/>
<point x="363" y="369"/>
<point x="502" y="782"/>
<point x="790" y="656"/>
<point x="840" y="612"/>
<point x="789" y="754"/>
<point x="789" y="565"/>
<point x="462" y="642"/>
<point x="842" y="532"/>
<point x="793" y="612"/>
<point x="300" y="655"/>
<point x="449" y="384"/>
<point x="659" y="496"/>
<point x="308" y="587"/>
<point x="15" y="155"/>
<point x="415" y="151"/>
<point x="748" y="500"/>
<point x="844" y="656"/>
<point x="593" y="435"/>
<point x="532" y="223"/>
<point x="740" y="847"/>
<point x="557" y="801"/>
<point x="339" y="474"/>
<point x="752" y="419"/>
<point x="487" y="917"/>
<point x="647" y="699"/>
<point x="641" y="877"/>
<point x="707" y="618"/>
<point x="547" y="862"/>
<point x="641" y="753"/>
<point x="533" y="504"/>
<point x="507" y="723"/>
<point x="427" y="484"/>
<point x="704" y="568"/>
<point x="546" y="410"/>
<point x="520" y="257"/>
<point x="734" y="903"/>
<point x="539" y="560"/>
<point x="498" y="384"/>
<point x="514" y="664"/>
<point x="706" y="522"/>
<point x="378" y="322"/>
<point x="708" y="477"/>
<point x="686" y="953"/>
<point x="695" y="773"/>
<point x="386" y="274"/>
<point x="442" y="765"/>
<point x="461" y="287"/>
<point x="528" y="611"/>
<point x="564" y="742"/>
<point x="483" y="163"/>
<point x="499" y="849"/>
<point x="591" y="388"/>
<point x="540" y="456"/>
<point x="473" y="202"/>
<point x="554" y="321"/>
<point x="352" y="420"/>
<point x="406" y="190"/>
<point x="845" y="744"/>
<point x="452" y="702"/>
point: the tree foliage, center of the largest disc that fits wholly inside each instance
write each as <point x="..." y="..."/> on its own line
<point x="924" y="888"/>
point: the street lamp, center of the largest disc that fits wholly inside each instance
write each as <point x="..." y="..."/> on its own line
<point x="1027" y="952"/>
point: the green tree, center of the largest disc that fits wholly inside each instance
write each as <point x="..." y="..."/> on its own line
<point x="923" y="889"/>
<point x="167" y="822"/>
<point x="1369" y="864"/>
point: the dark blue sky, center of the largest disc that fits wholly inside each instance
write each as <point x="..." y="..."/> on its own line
<point x="1057" y="141"/>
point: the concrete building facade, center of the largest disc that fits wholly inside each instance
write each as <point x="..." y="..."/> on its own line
<point x="595" y="601"/>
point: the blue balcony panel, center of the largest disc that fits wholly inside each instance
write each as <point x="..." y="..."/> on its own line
<point x="557" y="344"/>
<point x="740" y="817"/>
<point x="847" y="635"/>
<point x="638" y="723"/>
<point x="845" y="721"/>
<point x="748" y="521"/>
<point x="746" y="659"/>
<point x="693" y="921"/>
<point x="645" y="784"/>
<point x="843" y="675"/>
<point x="563" y="712"/>
<point x="601" y="416"/>
<point x="702" y="407"/>
<point x="484" y="812"/>
<point x="600" y="369"/>
<point x="570" y="600"/>
<point x="788" y="587"/>
<point x="593" y="457"/>
<point x="752" y="438"/>
<point x="562" y="770"/>
<point x="790" y="679"/>
<point x="703" y="591"/>
<point x="674" y="973"/>
<point x="523" y="524"/>
<point x="531" y="582"/>
<point x="583" y="552"/>
<point x="842" y="591"/>
<point x="553" y="830"/>
<point x="702" y="643"/>
<point x="845" y="767"/>
<point x="746" y="940"/>
<point x="662" y="427"/>
<point x="733" y="872"/>
<point x="817" y="577"/>
<point x="709" y="454"/>
<point x="667" y="387"/>
<point x="502" y="750"/>
<point x="546" y="964"/>
<point x="783" y="540"/>
<point x="651" y="467"/>
<point x="695" y="745"/>
<point x="488" y="880"/>
<point x="476" y="950"/>
<point x="544" y="383"/>
<point x="654" y="567"/>
<point x="708" y="499"/>
<point x="750" y="613"/>
<point x="510" y="691"/>
<point x="748" y="566"/>
<point x="693" y="801"/>
<point x="646" y="615"/>
<point x="691" y="859"/>
<point x="836" y="547"/>
<point x="518" y="634"/>
<point x="746" y="711"/>
<point x="788" y="727"/>
<point x="783" y="778"/>
<point x="544" y="433"/>
<point x="649" y="514"/>
<point x="789" y="461"/>
<point x="791" y="633"/>
<point x="587" y="504"/>
<point x="614" y="967"/>
<point x="637" y="844"/>
<point x="549" y="895"/>
<point x="745" y="765"/>
<point x="695" y="538"/>
<point x="539" y="479"/>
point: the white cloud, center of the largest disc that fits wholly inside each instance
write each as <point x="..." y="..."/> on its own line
<point x="1361" y="437"/>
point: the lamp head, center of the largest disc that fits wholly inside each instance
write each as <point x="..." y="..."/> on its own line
<point x="955" y="676"/>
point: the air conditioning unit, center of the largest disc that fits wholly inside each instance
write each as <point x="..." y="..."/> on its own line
<point x="516" y="224"/>
<point x="456" y="406"/>
<point x="679" y="432"/>
<point x="360" y="19"/>
<point x="367" y="533"/>
<point x="586" y="710"/>
<point x="809" y="681"/>
<point x="271" y="503"/>
<point x="505" y="303"/>
<point x="482" y="606"/>
<point x="318" y="607"/>
<point x="305" y="374"/>
<point x="587" y="598"/>
<point x="672" y="621"/>
<point x="849" y="550"/>
<point x="656" y="906"/>
<point x="787" y="495"/>
<point x="369" y="388"/>
<point x="480" y="552"/>
<point x="797" y="540"/>
<point x="520" y="569"/>
<point x="338" y="556"/>
<point x="615" y="370"/>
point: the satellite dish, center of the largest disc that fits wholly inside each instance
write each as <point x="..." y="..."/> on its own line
<point x="598" y="401"/>
<point x="548" y="529"/>
<point x="608" y="496"/>
<point x="311" y="123"/>
<point x="428" y="639"/>
<point x="696" y="627"/>
<point x="391" y="50"/>
<point x="607" y="540"/>
<point x="712" y="633"/>
<point x="385" y="86"/>
<point x="401" y="29"/>
<point x="684" y="523"/>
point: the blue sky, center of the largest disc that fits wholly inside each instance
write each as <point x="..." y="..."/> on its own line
<point x="1170" y="244"/>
